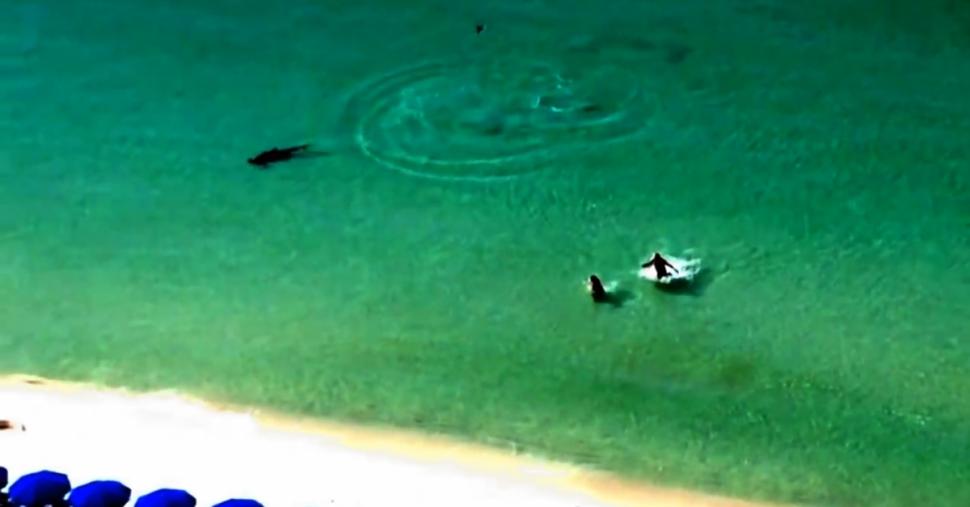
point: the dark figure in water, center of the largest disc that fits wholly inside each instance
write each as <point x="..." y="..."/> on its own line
<point x="596" y="290"/>
<point x="599" y="293"/>
<point x="660" y="265"/>
<point x="274" y="155"/>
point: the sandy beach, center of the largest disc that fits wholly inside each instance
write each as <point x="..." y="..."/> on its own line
<point x="163" y="439"/>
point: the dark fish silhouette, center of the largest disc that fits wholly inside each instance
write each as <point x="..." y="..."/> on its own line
<point x="660" y="265"/>
<point x="274" y="155"/>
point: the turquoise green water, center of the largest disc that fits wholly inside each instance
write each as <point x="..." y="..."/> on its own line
<point x="428" y="272"/>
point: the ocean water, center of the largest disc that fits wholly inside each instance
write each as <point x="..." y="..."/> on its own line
<point x="815" y="157"/>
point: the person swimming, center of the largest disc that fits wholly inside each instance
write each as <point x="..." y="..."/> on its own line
<point x="596" y="290"/>
<point x="660" y="265"/>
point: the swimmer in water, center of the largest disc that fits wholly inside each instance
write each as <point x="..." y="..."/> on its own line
<point x="660" y="265"/>
<point x="606" y="292"/>
<point x="596" y="290"/>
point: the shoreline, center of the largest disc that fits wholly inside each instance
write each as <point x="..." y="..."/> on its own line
<point x="39" y="404"/>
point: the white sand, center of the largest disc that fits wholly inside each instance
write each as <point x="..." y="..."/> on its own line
<point x="158" y="440"/>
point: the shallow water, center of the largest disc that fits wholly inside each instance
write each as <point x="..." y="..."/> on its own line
<point x="815" y="159"/>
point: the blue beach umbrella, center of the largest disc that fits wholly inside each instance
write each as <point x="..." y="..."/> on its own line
<point x="166" y="498"/>
<point x="39" y="489"/>
<point x="100" y="494"/>
<point x="238" y="502"/>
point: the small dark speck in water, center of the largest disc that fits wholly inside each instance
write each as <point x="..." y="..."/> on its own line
<point x="641" y="44"/>
<point x="677" y="53"/>
<point x="736" y="373"/>
<point x="493" y="128"/>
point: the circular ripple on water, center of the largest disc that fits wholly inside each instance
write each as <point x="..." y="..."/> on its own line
<point x="491" y="122"/>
